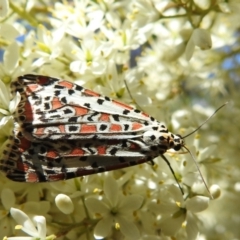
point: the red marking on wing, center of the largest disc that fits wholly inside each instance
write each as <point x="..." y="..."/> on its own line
<point x="52" y="154"/>
<point x="21" y="166"/>
<point x="77" y="152"/>
<point x="39" y="131"/>
<point x="134" y="146"/>
<point x="101" y="150"/>
<point x="62" y="128"/>
<point x="91" y="93"/>
<point x="31" y="88"/>
<point x="28" y="111"/>
<point x="136" y="126"/>
<point x="66" y="84"/>
<point x="115" y="128"/>
<point x="79" y="111"/>
<point x="32" y="177"/>
<point x="123" y="105"/>
<point x="24" y="144"/>
<point x="56" y="177"/>
<point x="145" y="114"/>
<point x="104" y="117"/>
<point x="43" y="79"/>
<point x="85" y="128"/>
<point x="56" y="103"/>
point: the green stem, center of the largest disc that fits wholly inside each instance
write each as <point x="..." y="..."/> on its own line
<point x="23" y="14"/>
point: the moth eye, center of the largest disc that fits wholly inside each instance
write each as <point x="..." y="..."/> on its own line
<point x="177" y="147"/>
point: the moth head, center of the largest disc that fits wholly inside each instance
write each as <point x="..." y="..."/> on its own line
<point x="177" y="142"/>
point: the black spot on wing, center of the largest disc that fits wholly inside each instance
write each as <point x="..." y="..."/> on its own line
<point x="115" y="117"/>
<point x="164" y="131"/>
<point x="126" y="112"/>
<point x="73" y="119"/>
<point x="137" y="111"/>
<point x="107" y="98"/>
<point x="72" y="128"/>
<point x="103" y="127"/>
<point x="59" y="87"/>
<point x="67" y="111"/>
<point x="64" y="100"/>
<point x="87" y="105"/>
<point x="78" y="88"/>
<point x="71" y="91"/>
<point x="113" y="151"/>
<point x="100" y="101"/>
<point x="47" y="106"/>
<point x="57" y="93"/>
<point x="153" y="137"/>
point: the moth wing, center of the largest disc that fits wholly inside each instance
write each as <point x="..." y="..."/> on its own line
<point x="53" y="108"/>
<point x="26" y="161"/>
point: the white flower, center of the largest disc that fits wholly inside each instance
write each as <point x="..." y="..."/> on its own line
<point x="91" y="56"/>
<point x="36" y="228"/>
<point x="7" y="105"/>
<point x="49" y="45"/>
<point x="200" y="38"/>
<point x="174" y="211"/>
<point x="115" y="209"/>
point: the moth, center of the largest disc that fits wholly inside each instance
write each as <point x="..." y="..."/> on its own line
<point x="63" y="131"/>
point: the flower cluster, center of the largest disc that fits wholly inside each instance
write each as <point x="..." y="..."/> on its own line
<point x="176" y="60"/>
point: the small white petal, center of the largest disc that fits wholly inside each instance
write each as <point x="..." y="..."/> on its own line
<point x="96" y="206"/>
<point x="8" y="31"/>
<point x="78" y="66"/>
<point x="111" y="190"/>
<point x="128" y="228"/>
<point x="171" y="225"/>
<point x="130" y="203"/>
<point x="197" y="204"/>
<point x="14" y="102"/>
<point x="192" y="228"/>
<point x="103" y="227"/>
<point x="22" y="219"/>
<point x="64" y="203"/>
<point x="4" y="96"/>
<point x="41" y="225"/>
<point x="98" y="68"/>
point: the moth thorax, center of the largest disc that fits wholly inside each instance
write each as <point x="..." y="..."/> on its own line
<point x="151" y="138"/>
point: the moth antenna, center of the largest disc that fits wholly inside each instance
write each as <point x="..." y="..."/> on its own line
<point x="129" y="92"/>
<point x="194" y="159"/>
<point x="205" y="120"/>
<point x="173" y="173"/>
